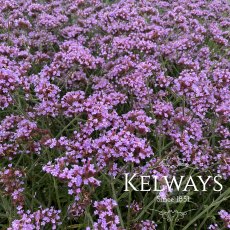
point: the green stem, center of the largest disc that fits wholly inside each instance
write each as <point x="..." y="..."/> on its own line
<point x="118" y="209"/>
<point x="215" y="203"/>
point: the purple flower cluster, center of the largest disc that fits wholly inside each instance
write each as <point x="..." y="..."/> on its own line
<point x="8" y="82"/>
<point x="135" y="207"/>
<point x="225" y="216"/>
<point x="19" y="135"/>
<point x="78" y="208"/>
<point x="12" y="181"/>
<point x="107" y="219"/>
<point x="48" y="217"/>
<point x="76" y="177"/>
<point x="145" y="225"/>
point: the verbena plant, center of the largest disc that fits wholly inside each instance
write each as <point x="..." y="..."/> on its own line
<point x="91" y="91"/>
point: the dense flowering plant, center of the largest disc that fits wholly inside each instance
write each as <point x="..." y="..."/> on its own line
<point x="93" y="90"/>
